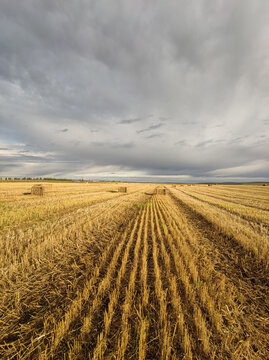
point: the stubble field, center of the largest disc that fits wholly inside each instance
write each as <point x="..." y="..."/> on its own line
<point x="87" y="272"/>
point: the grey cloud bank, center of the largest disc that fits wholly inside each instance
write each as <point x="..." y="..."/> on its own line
<point x="144" y="90"/>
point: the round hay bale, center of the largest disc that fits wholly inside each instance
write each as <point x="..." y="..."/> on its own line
<point x="37" y="189"/>
<point x="122" y="189"/>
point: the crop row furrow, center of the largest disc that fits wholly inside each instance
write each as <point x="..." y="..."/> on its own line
<point x="22" y="246"/>
<point x="180" y="324"/>
<point x="129" y="297"/>
<point x="185" y="280"/>
<point x="253" y="239"/>
<point x="102" y="339"/>
<point x="190" y="256"/>
<point x="233" y="292"/>
<point x="252" y="204"/>
<point x="163" y="323"/>
<point x="88" y="322"/>
<point x="250" y="216"/>
<point x="61" y="329"/>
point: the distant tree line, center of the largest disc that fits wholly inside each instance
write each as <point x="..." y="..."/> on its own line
<point x="53" y="179"/>
<point x="31" y="179"/>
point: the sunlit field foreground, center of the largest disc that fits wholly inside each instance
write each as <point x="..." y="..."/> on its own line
<point x="87" y="272"/>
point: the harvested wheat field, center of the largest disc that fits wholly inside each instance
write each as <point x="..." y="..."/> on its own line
<point x="88" y="272"/>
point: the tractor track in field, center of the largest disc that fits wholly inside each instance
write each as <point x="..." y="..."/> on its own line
<point x="62" y="216"/>
<point x="238" y="265"/>
<point x="254" y="274"/>
<point x="80" y="273"/>
<point x="228" y="200"/>
<point x="247" y="219"/>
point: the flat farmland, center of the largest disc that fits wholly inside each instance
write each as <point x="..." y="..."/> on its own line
<point x="87" y="272"/>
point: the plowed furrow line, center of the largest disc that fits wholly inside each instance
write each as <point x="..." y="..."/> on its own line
<point x="42" y="322"/>
<point x="250" y="221"/>
<point x="212" y="305"/>
<point x="204" y="292"/>
<point x="103" y="273"/>
<point x="235" y="245"/>
<point x="102" y="339"/>
<point x="235" y="262"/>
<point x="144" y="269"/>
<point x="43" y="242"/>
<point x="73" y="311"/>
<point x="252" y="192"/>
<point x="241" y="293"/>
<point x="64" y="212"/>
<point x="149" y="313"/>
<point x="228" y="199"/>
<point x="144" y="295"/>
<point x="129" y="298"/>
<point x="181" y="339"/>
<point x="92" y="321"/>
<point x="12" y="258"/>
<point x="185" y="232"/>
<point x="228" y="225"/>
<point x="182" y="272"/>
<point x="202" y="270"/>
<point x="198" y="326"/>
<point x="164" y="329"/>
<point x="136" y="335"/>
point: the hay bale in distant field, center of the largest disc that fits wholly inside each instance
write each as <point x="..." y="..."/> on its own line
<point x="122" y="189"/>
<point x="37" y="189"/>
<point x="209" y="184"/>
<point x="174" y="185"/>
<point x="161" y="191"/>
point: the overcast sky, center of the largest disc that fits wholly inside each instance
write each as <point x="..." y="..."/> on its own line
<point x="164" y="90"/>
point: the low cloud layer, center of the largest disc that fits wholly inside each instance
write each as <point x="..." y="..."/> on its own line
<point x="149" y="90"/>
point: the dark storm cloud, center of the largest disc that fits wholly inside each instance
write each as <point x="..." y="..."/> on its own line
<point x="86" y="69"/>
<point x="112" y="145"/>
<point x="163" y="118"/>
<point x="206" y="142"/>
<point x="152" y="136"/>
<point x="130" y="121"/>
<point x="137" y="119"/>
<point x="218" y="125"/>
<point x="21" y="158"/>
<point x="238" y="139"/>
<point x="152" y="127"/>
<point x="189" y="122"/>
<point x="181" y="142"/>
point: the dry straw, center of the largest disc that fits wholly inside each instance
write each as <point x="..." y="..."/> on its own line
<point x="38" y="189"/>
<point x="122" y="189"/>
<point x="160" y="191"/>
